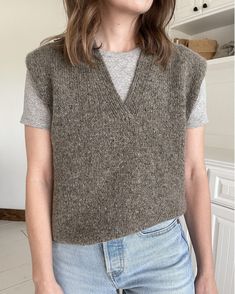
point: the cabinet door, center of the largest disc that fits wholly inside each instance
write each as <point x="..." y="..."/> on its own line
<point x="223" y="247"/>
<point x="213" y="5"/>
<point x="185" y="9"/>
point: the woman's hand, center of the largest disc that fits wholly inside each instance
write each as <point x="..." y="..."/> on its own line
<point x="51" y="287"/>
<point x="205" y="284"/>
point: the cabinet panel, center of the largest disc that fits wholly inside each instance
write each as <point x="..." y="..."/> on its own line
<point x="221" y="183"/>
<point x="185" y="9"/>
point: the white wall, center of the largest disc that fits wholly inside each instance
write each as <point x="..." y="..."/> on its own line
<point x="23" y="24"/>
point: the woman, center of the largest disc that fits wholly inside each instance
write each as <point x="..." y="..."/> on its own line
<point x="113" y="146"/>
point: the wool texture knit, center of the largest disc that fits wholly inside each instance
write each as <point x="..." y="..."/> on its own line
<point x="118" y="165"/>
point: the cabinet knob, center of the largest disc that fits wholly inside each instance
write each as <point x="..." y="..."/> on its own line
<point x="204" y="5"/>
<point x="195" y="8"/>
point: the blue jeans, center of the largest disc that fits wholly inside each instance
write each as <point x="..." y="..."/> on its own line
<point x="155" y="260"/>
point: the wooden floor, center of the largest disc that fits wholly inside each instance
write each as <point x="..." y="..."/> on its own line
<point x="15" y="259"/>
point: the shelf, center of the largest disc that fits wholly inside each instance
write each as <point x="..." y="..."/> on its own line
<point x="221" y="63"/>
<point x="205" y="22"/>
<point x="221" y="60"/>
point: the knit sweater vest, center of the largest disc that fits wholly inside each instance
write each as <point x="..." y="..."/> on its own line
<point x="118" y="166"/>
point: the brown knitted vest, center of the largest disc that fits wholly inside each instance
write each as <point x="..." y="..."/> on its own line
<point x="118" y="166"/>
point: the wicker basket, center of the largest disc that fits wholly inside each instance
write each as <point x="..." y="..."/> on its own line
<point x="205" y="47"/>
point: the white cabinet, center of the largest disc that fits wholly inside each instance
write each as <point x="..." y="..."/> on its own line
<point x="221" y="182"/>
<point x="190" y="9"/>
<point x="223" y="247"/>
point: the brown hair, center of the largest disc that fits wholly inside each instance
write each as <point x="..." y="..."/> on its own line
<point x="83" y="20"/>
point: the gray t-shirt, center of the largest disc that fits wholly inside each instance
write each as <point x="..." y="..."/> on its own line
<point x="121" y="66"/>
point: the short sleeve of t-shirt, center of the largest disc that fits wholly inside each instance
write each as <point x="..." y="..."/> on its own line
<point x="198" y="116"/>
<point x="35" y="112"/>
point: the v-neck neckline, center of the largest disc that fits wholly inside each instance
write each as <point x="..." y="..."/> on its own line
<point x="144" y="61"/>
